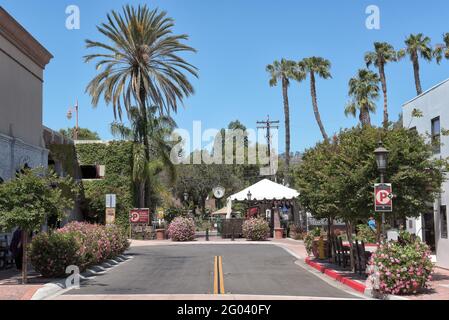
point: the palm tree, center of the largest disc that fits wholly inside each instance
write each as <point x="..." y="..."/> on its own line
<point x="141" y="63"/>
<point x="442" y="50"/>
<point x="321" y="67"/>
<point x="383" y="53"/>
<point x="364" y="89"/>
<point x="285" y="71"/>
<point x="417" y="45"/>
<point x="158" y="129"/>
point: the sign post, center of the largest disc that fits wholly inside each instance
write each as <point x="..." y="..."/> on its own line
<point x="383" y="200"/>
<point x="139" y="220"/>
<point x="383" y="194"/>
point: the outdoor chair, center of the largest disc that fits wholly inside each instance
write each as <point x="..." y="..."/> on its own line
<point x="344" y="253"/>
<point x="362" y="257"/>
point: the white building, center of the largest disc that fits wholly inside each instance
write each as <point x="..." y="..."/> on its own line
<point x="433" y="104"/>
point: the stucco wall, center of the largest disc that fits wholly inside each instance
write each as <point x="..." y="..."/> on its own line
<point x="434" y="103"/>
<point x="20" y="95"/>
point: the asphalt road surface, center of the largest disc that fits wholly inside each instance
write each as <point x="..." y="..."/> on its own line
<point x="192" y="269"/>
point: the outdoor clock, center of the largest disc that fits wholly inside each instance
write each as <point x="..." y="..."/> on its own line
<point x="219" y="192"/>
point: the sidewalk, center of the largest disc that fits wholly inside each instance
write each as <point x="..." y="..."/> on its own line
<point x="439" y="287"/>
<point x="12" y="289"/>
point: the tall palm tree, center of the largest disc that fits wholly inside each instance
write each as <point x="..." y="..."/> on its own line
<point x="383" y="53"/>
<point x="364" y="89"/>
<point x="141" y="63"/>
<point x="285" y="71"/>
<point x="321" y="67"/>
<point x="417" y="45"/>
<point x="442" y="50"/>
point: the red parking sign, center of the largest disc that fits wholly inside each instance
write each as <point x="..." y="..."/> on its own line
<point x="383" y="197"/>
<point x="140" y="216"/>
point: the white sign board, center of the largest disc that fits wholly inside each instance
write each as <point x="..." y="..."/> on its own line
<point x="111" y="201"/>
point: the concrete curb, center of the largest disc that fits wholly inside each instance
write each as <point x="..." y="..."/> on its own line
<point x="58" y="287"/>
<point x="355" y="285"/>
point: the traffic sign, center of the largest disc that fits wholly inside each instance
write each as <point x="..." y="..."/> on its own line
<point x="139" y="216"/>
<point x="383" y="197"/>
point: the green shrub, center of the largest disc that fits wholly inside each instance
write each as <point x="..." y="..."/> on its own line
<point x="309" y="237"/>
<point x="79" y="244"/>
<point x="365" y="234"/>
<point x="51" y="254"/>
<point x="256" y="229"/>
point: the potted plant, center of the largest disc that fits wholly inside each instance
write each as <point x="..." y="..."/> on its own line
<point x="160" y="231"/>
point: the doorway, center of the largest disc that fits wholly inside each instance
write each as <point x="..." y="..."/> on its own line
<point x="429" y="229"/>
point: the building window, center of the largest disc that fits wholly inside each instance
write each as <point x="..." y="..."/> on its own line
<point x="443" y="222"/>
<point x="436" y="135"/>
<point x="91" y="172"/>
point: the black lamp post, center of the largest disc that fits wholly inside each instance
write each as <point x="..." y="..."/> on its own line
<point x="382" y="163"/>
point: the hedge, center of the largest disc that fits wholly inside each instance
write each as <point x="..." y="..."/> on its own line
<point x="79" y="244"/>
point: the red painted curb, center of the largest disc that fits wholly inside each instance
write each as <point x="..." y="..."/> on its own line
<point x="355" y="285"/>
<point x="334" y="274"/>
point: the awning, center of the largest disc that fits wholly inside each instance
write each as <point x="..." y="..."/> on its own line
<point x="221" y="212"/>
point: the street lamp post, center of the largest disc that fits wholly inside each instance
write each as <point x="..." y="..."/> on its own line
<point x="70" y="115"/>
<point x="382" y="163"/>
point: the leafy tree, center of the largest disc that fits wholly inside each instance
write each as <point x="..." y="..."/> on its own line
<point x="336" y="179"/>
<point x="198" y="181"/>
<point x="145" y="172"/>
<point x="383" y="53"/>
<point x="141" y="65"/>
<point x="417" y="45"/>
<point x="31" y="198"/>
<point x="364" y="89"/>
<point x="83" y="134"/>
<point x="321" y="67"/>
<point x="285" y="71"/>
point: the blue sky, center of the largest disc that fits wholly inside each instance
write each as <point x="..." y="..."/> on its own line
<point x="235" y="40"/>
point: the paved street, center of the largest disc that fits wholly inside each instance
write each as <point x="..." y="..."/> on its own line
<point x="191" y="269"/>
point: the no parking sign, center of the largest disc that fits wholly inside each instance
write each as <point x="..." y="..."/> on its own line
<point x="140" y="216"/>
<point x="383" y="197"/>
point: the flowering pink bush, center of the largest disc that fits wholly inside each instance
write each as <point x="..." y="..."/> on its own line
<point x="182" y="229"/>
<point x="256" y="229"/>
<point x="50" y="254"/>
<point x="401" y="267"/>
<point x="94" y="245"/>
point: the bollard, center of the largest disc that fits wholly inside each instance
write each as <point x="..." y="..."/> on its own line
<point x="207" y="234"/>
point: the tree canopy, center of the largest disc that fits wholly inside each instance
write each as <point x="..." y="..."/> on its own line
<point x="34" y="196"/>
<point x="83" y="134"/>
<point x="337" y="178"/>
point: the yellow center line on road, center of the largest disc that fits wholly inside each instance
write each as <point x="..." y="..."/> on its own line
<point x="218" y="275"/>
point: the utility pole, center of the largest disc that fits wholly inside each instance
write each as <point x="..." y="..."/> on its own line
<point x="268" y="125"/>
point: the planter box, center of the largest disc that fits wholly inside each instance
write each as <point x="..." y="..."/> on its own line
<point x="160" y="234"/>
<point x="279" y="233"/>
